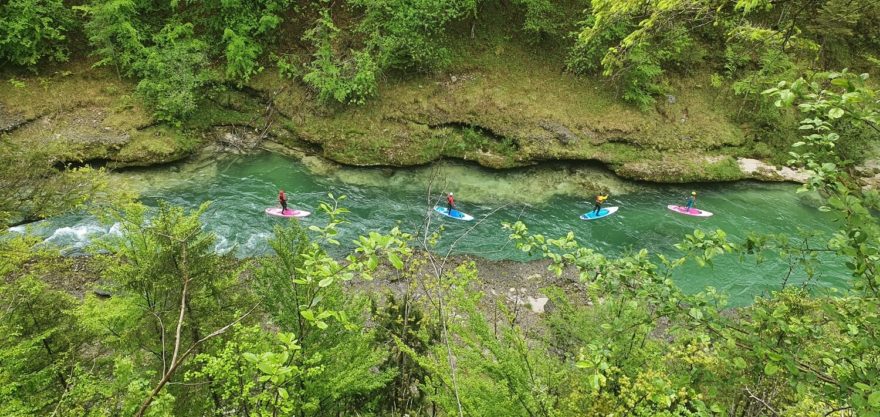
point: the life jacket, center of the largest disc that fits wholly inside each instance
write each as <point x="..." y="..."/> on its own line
<point x="601" y="198"/>
<point x="281" y="196"/>
<point x="450" y="199"/>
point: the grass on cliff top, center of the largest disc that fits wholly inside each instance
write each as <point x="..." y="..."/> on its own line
<point x="72" y="86"/>
<point x="80" y="113"/>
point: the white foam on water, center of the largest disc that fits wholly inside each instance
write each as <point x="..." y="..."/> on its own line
<point x="255" y="243"/>
<point x="223" y="244"/>
<point x="115" y="230"/>
<point x="75" y="237"/>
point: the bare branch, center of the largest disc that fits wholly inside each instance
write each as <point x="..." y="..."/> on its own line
<point x="176" y="363"/>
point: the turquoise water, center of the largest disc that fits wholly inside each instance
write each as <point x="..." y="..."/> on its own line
<point x="548" y="199"/>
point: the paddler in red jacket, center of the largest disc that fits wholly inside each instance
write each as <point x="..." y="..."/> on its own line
<point x="450" y="202"/>
<point x="283" y="200"/>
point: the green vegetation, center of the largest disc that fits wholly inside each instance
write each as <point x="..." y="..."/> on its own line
<point x="371" y="82"/>
<point x="179" y="329"/>
<point x="661" y="90"/>
<point x="177" y="53"/>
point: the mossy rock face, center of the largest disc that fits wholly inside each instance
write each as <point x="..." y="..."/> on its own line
<point x="154" y="146"/>
<point x="84" y="115"/>
<point x="682" y="168"/>
<point x="94" y="135"/>
<point x="502" y="108"/>
<point x="523" y="111"/>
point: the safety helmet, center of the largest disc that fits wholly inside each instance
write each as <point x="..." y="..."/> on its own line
<point x="450" y="193"/>
<point x="693" y="193"/>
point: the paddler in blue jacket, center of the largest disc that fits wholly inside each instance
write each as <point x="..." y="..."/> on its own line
<point x="692" y="199"/>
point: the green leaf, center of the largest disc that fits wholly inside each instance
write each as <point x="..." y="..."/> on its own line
<point x="308" y="315"/>
<point x="325" y="282"/>
<point x="266" y="368"/>
<point x="395" y="260"/>
<point x="874" y="399"/>
<point x="835" y="113"/>
<point x="372" y="262"/>
<point x="596" y="381"/>
<point x="771" y="369"/>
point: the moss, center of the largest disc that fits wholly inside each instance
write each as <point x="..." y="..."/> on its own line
<point x="501" y="103"/>
<point x="225" y="108"/>
<point x="683" y="167"/>
<point x="154" y="146"/>
<point x="532" y="110"/>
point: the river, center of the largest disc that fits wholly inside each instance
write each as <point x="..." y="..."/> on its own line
<point x="548" y="199"/>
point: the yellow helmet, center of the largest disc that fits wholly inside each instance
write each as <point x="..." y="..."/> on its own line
<point x="693" y="193"/>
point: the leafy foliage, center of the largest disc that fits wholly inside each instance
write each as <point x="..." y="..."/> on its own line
<point x="637" y="42"/>
<point x="174" y="72"/>
<point x="115" y="33"/>
<point x="351" y="80"/>
<point x="35" y="189"/>
<point x="34" y="30"/>
<point x="396" y="35"/>
<point x="243" y="28"/>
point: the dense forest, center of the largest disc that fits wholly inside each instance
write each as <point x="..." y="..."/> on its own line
<point x="168" y="326"/>
<point x="176" y="51"/>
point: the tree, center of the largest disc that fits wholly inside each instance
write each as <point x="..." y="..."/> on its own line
<point x="173" y="72"/>
<point x="34" y="30"/>
<point x="352" y="79"/>
<point x="35" y="189"/>
<point x="173" y="293"/>
<point x="40" y="336"/>
<point x="244" y="29"/>
<point x="322" y="360"/>
<point x="113" y="30"/>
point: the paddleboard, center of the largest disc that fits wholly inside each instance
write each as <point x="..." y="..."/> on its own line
<point x="275" y="211"/>
<point x="455" y="213"/>
<point x="603" y="212"/>
<point x="692" y="212"/>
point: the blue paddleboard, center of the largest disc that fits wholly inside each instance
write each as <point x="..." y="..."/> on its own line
<point x="455" y="213"/>
<point x="603" y="212"/>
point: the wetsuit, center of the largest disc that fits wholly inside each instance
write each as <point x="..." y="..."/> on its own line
<point x="283" y="199"/>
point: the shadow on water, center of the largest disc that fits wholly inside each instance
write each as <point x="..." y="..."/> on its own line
<point x="548" y="198"/>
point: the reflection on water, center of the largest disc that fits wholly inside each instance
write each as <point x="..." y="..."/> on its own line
<point x="548" y="199"/>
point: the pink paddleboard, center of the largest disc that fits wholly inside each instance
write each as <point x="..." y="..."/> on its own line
<point x="274" y="211"/>
<point x="692" y="212"/>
